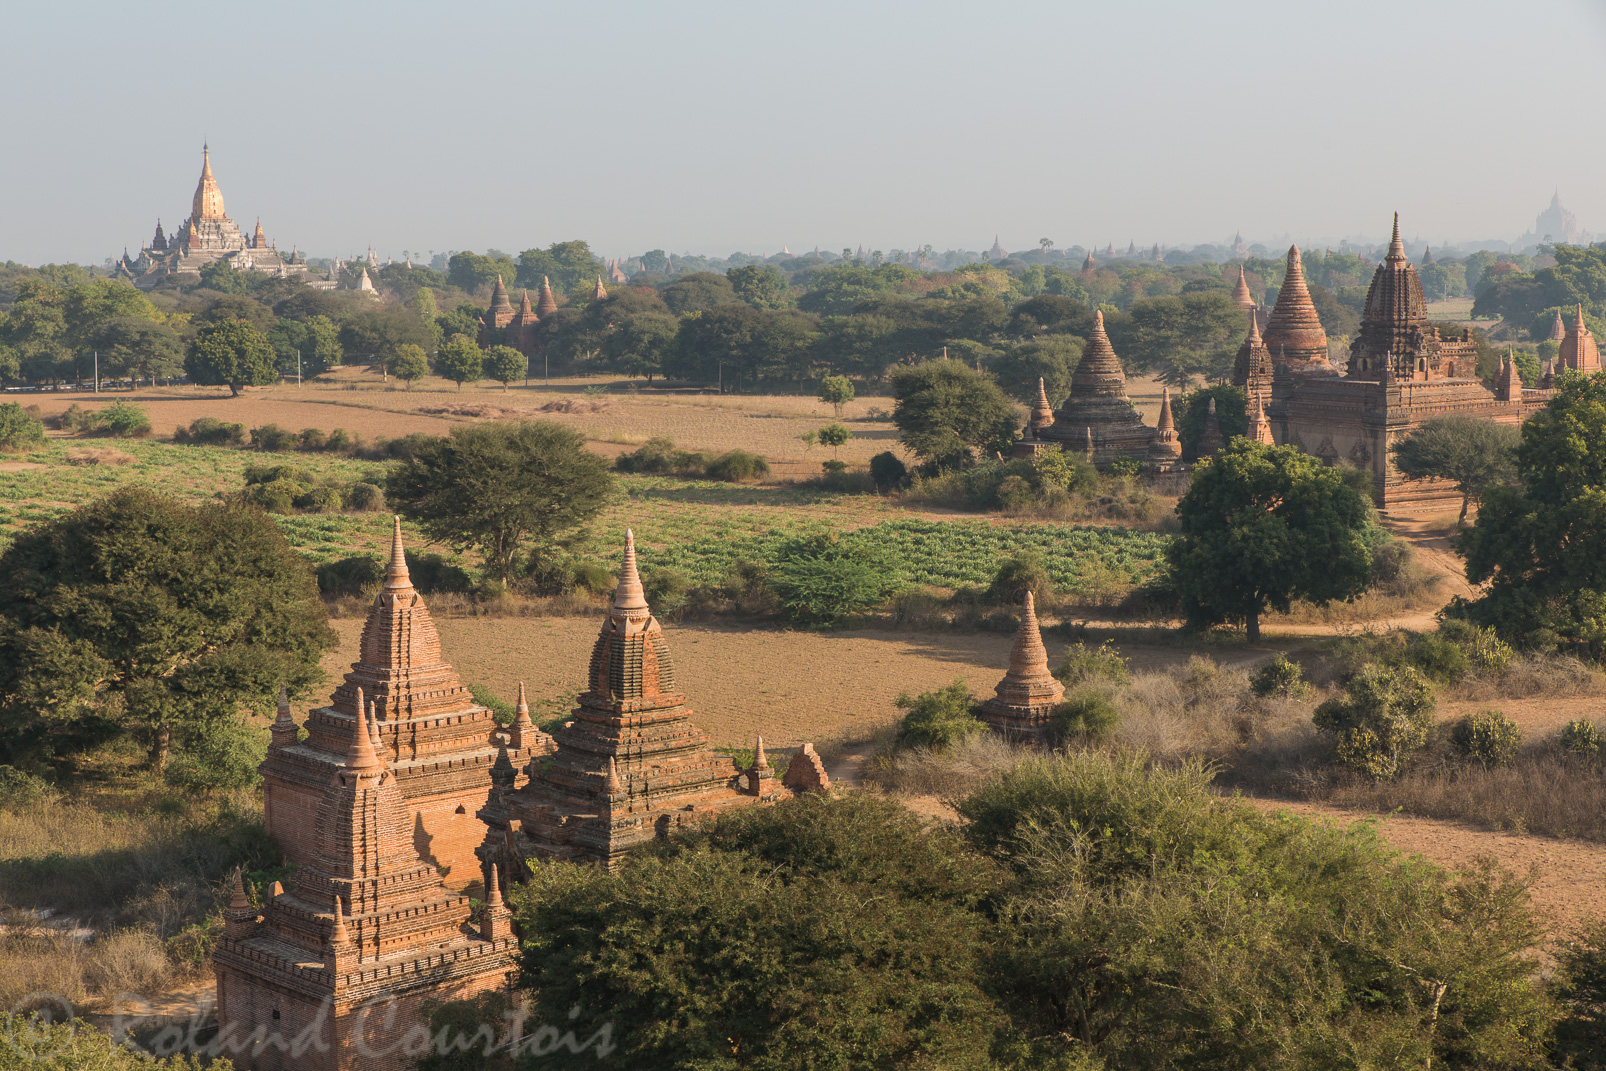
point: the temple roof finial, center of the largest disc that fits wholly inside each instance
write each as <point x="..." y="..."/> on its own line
<point x="396" y="575"/>
<point x="1396" y="246"/>
<point x="629" y="596"/>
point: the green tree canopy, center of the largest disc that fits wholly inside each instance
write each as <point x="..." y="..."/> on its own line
<point x="141" y="614"/>
<point x="91" y="306"/>
<point x="1051" y="358"/>
<point x="1538" y="546"/>
<point x="505" y="364"/>
<point x="139" y="348"/>
<point x="473" y="272"/>
<point x="409" y="364"/>
<point x="1472" y="453"/>
<point x="762" y="286"/>
<point x="698" y="291"/>
<point x="505" y="489"/>
<point x="1193" y="415"/>
<point x="1262" y="526"/>
<point x="460" y="360"/>
<point x="570" y="266"/>
<point x="233" y="354"/>
<point x="836" y="391"/>
<point x="371" y="335"/>
<point x="947" y="413"/>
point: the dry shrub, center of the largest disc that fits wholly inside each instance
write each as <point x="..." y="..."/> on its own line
<point x="576" y="405"/>
<point x="1531" y="676"/>
<point x="949" y="773"/>
<point x="35" y="958"/>
<point x="1544" y="791"/>
<point x="98" y="455"/>
<point x="1187" y="710"/>
<point x="482" y="410"/>
<point x="126" y="961"/>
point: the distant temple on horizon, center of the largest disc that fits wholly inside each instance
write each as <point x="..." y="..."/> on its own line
<point x="206" y="237"/>
<point x="1555" y="226"/>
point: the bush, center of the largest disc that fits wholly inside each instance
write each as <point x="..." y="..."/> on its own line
<point x="340" y="441"/>
<point x="738" y="466"/>
<point x="312" y="439"/>
<point x="1127" y="467"/>
<point x="1488" y="738"/>
<point x="591" y="577"/>
<point x="1436" y="657"/>
<point x="1019" y="574"/>
<point x="940" y="719"/>
<point x="365" y="498"/>
<point x="222" y="755"/>
<point x="1279" y="677"/>
<point x="501" y="709"/>
<point x="655" y="457"/>
<point x="121" y="420"/>
<point x="888" y="472"/>
<point x="210" y="431"/>
<point x="1085" y="714"/>
<point x="19" y="430"/>
<point x="819" y="580"/>
<point x="1485" y="650"/>
<point x="666" y="589"/>
<point x="432" y="573"/>
<point x="1383" y="717"/>
<point x="1580" y="736"/>
<point x="833" y="467"/>
<point x="1082" y="665"/>
<point x="349" y="576"/>
<point x="272" y="438"/>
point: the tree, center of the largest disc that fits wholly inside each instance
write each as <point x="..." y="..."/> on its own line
<point x="1264" y="525"/>
<point x="233" y="354"/>
<point x="19" y="429"/>
<point x="320" y="349"/>
<point x="409" y="363"/>
<point x="1052" y="359"/>
<point x="460" y="360"/>
<point x="1193" y="415"/>
<point x="221" y="275"/>
<point x="820" y="580"/>
<point x="505" y="364"/>
<point x="1471" y="453"/>
<point x="1385" y="713"/>
<point x="138" y="348"/>
<point x="570" y="267"/>
<point x="836" y="391"/>
<point x="473" y="272"/>
<point x="34" y="332"/>
<point x="142" y="614"/>
<point x="372" y="335"/>
<point x="946" y="413"/>
<point x="834" y="436"/>
<point x="1538" y="546"/>
<point x="762" y="286"/>
<point x="698" y="291"/>
<point x="91" y="306"/>
<point x="507" y="489"/>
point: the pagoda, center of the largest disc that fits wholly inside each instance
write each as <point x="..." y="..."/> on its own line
<point x="1294" y="331"/>
<point x="1578" y="351"/>
<point x="206" y="237"/>
<point x="630" y="766"/>
<point x="440" y="745"/>
<point x="1241" y="296"/>
<point x="1098" y="405"/>
<point x="1165" y="452"/>
<point x="1023" y="704"/>
<point x="1558" y="329"/>
<point x="1402" y="373"/>
<point x="336" y="973"/>
<point x="547" y="304"/>
<point x="1253" y="368"/>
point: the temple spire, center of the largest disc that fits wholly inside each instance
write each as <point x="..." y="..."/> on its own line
<point x="1396" y="246"/>
<point x="396" y="575"/>
<point x="237" y="898"/>
<point x="547" y="305"/>
<point x="629" y="597"/>
<point x="611" y="785"/>
<point x="338" y="937"/>
<point x="360" y="755"/>
<point x="760" y="760"/>
<point x="1166" y="422"/>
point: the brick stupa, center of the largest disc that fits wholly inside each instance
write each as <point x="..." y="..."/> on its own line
<point x="1578" y="350"/>
<point x="331" y="975"/>
<point x="1098" y="404"/>
<point x="1294" y="331"/>
<point x="1241" y="296"/>
<point x="630" y="765"/>
<point x="1165" y="452"/>
<point x="1253" y="369"/>
<point x="1022" y="708"/>
<point x="440" y="745"/>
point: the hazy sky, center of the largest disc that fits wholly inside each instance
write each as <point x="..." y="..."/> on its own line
<point x="711" y="127"/>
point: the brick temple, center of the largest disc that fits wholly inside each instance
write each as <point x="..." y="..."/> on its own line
<point x="333" y="973"/>
<point x="1402" y="372"/>
<point x="1098" y="420"/>
<point x="440" y="746"/>
<point x="630" y="765"/>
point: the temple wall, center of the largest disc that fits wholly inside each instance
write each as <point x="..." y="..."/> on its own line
<point x="346" y="1037"/>
<point x="290" y="813"/>
<point x="446" y="831"/>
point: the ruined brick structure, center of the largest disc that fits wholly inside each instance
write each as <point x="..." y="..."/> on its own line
<point x="1578" y="351"/>
<point x="629" y="766"/>
<point x="1165" y="452"/>
<point x="1098" y="407"/>
<point x="1022" y="708"/>
<point x="439" y="744"/>
<point x="1029" y="445"/>
<point x="330" y="975"/>
<point x="1401" y="373"/>
<point x="501" y="326"/>
<point x="207" y="236"/>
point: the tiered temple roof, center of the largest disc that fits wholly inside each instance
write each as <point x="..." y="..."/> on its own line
<point x="1294" y="331"/>
<point x="547" y="304"/>
<point x="1240" y="292"/>
<point x="1394" y="340"/>
<point x="365" y="918"/>
<point x="439" y="743"/>
<point x="1023" y="704"/>
<point x="1165" y="452"/>
<point x="630" y="765"/>
<point x="1578" y="350"/>
<point x="1558" y="330"/>
<point x="1253" y="368"/>
<point x="1098" y="402"/>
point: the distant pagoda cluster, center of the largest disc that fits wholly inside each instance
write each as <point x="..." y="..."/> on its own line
<point x="206" y="237"/>
<point x="402" y="795"/>
<point x="1401" y="372"/>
